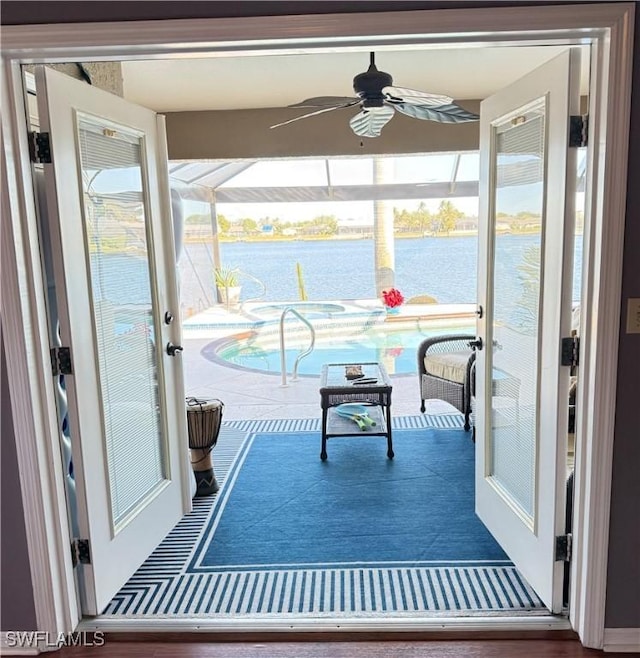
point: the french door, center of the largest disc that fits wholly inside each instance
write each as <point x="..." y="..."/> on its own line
<point x="115" y="281"/>
<point x="112" y="245"/>
<point x="522" y="391"/>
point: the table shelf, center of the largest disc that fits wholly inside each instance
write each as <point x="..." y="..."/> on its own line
<point x="340" y="426"/>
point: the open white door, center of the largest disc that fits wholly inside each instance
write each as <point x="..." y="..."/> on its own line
<point x="521" y="389"/>
<point x="112" y="245"/>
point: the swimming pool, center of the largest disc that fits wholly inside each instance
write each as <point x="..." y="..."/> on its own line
<point x="394" y="346"/>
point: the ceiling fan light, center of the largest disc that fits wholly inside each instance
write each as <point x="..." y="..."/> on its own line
<point x="372" y="103"/>
<point x="371" y="82"/>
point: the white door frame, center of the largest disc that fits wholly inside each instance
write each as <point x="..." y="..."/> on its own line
<point x="609" y="27"/>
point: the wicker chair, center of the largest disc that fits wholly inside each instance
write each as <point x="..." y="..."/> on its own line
<point x="444" y="365"/>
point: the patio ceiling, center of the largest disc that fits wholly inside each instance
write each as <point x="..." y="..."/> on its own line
<point x="206" y="174"/>
<point x="248" y="80"/>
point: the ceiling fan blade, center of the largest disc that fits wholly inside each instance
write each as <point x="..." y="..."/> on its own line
<point x="312" y="114"/>
<point x="370" y="121"/>
<point x="414" y="97"/>
<point x="451" y="113"/>
<point x="326" y="101"/>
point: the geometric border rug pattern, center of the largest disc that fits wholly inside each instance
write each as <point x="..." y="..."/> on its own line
<point x="439" y="421"/>
<point x="163" y="587"/>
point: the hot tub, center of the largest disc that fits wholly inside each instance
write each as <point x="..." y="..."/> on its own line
<point x="308" y="309"/>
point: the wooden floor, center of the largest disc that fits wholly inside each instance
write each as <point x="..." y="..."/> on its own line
<point x="359" y="649"/>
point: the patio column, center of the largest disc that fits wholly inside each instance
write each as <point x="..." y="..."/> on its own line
<point x="384" y="252"/>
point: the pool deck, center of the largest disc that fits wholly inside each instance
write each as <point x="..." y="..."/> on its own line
<point x="249" y="395"/>
<point x="219" y="321"/>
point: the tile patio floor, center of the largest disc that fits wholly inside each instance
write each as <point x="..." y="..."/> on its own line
<point x="255" y="396"/>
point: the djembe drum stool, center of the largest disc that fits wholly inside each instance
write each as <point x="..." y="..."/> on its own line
<point x="204" y="418"/>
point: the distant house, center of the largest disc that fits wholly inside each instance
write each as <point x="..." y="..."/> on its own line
<point x="353" y="227"/>
<point x="236" y="230"/>
<point x="467" y="224"/>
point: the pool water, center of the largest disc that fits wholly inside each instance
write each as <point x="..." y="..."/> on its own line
<point x="396" y="349"/>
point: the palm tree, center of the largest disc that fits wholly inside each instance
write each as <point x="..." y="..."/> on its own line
<point x="448" y="215"/>
<point x="384" y="253"/>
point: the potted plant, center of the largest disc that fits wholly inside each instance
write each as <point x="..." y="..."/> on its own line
<point x="392" y="299"/>
<point x="228" y="284"/>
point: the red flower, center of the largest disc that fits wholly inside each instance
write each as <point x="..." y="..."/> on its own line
<point x="392" y="297"/>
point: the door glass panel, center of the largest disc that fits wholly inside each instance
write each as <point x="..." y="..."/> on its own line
<point x="116" y="239"/>
<point x="512" y="354"/>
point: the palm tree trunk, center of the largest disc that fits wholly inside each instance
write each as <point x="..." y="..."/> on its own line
<point x="384" y="252"/>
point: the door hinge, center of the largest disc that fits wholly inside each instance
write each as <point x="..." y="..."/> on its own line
<point x="61" y="361"/>
<point x="570" y="353"/>
<point x="39" y="147"/>
<point x="578" y="130"/>
<point x="80" y="552"/>
<point x="563" y="548"/>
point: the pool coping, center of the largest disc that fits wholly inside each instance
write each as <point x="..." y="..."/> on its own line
<point x="211" y="350"/>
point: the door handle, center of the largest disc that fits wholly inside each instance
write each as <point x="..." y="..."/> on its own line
<point x="476" y="344"/>
<point x="172" y="349"/>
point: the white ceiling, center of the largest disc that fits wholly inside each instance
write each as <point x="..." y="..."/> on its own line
<point x="231" y="83"/>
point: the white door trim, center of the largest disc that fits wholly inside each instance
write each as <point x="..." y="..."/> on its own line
<point x="24" y="321"/>
<point x="610" y="26"/>
<point x="601" y="292"/>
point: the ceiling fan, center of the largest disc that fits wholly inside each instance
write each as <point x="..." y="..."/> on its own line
<point x="379" y="100"/>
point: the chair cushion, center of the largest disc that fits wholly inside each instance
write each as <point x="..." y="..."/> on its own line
<point x="451" y="366"/>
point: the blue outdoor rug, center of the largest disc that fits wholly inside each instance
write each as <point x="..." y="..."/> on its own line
<point x="358" y="535"/>
<point x="284" y="507"/>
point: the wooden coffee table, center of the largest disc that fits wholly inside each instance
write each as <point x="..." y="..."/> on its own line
<point x="336" y="389"/>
